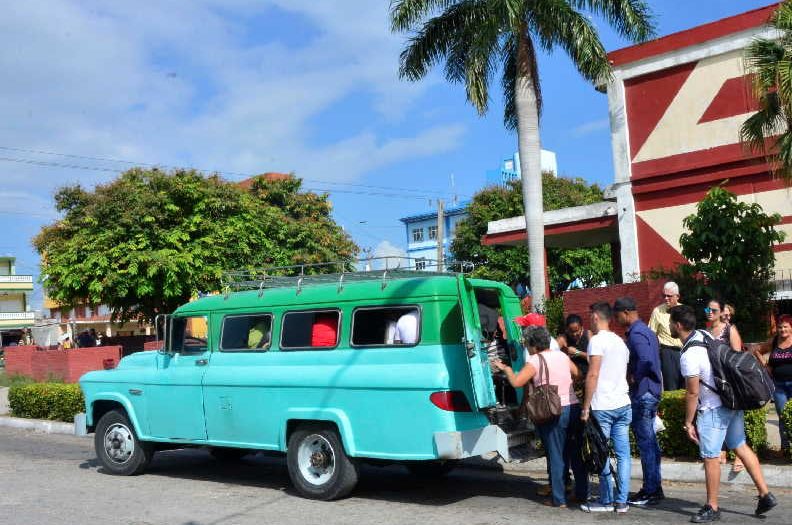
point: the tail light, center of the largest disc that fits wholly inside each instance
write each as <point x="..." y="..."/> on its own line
<point x="108" y="364"/>
<point x="452" y="401"/>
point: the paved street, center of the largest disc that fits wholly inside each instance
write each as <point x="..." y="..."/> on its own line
<point x="54" y="479"/>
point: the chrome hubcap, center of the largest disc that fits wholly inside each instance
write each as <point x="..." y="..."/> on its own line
<point x="316" y="459"/>
<point x="119" y="444"/>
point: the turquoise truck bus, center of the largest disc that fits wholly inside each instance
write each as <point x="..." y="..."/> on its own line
<point x="312" y="367"/>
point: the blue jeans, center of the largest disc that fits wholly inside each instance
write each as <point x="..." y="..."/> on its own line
<point x="644" y="410"/>
<point x="616" y="427"/>
<point x="557" y="443"/>
<point x="783" y="393"/>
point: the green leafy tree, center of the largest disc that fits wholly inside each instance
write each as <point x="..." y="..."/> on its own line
<point x="149" y="240"/>
<point x="476" y="39"/>
<point x="511" y="263"/>
<point x="729" y="247"/>
<point x="769" y="62"/>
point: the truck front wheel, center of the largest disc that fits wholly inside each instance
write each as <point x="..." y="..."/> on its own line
<point x="117" y="446"/>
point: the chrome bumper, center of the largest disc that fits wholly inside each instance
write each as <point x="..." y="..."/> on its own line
<point x="475" y="442"/>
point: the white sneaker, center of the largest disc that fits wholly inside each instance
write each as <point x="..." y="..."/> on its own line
<point x="596" y="507"/>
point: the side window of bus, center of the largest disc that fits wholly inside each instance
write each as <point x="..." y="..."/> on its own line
<point x="245" y="333"/>
<point x="386" y="326"/>
<point x="189" y="335"/>
<point x="310" y="330"/>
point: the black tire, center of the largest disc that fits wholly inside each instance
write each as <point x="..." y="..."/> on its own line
<point x="431" y="469"/>
<point x="318" y="465"/>
<point x="118" y="447"/>
<point x="228" y="454"/>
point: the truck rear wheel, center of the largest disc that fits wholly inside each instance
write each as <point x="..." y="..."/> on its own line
<point x="117" y="445"/>
<point x="318" y="465"/>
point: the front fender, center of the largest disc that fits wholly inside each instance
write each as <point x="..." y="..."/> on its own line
<point x="334" y="415"/>
<point x="124" y="402"/>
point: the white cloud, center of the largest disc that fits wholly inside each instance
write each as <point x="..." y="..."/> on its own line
<point x="587" y="128"/>
<point x="172" y="83"/>
<point x="387" y="252"/>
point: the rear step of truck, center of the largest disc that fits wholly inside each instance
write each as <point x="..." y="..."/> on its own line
<point x="522" y="446"/>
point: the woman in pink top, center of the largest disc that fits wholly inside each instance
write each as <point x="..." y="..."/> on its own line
<point x="555" y="434"/>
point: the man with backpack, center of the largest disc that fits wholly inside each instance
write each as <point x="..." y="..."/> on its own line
<point x="714" y="422"/>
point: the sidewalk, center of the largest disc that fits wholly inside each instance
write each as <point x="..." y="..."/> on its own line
<point x="672" y="470"/>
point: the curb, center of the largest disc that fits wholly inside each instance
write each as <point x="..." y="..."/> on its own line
<point x="38" y="425"/>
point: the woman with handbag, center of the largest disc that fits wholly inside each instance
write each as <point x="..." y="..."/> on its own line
<point x="553" y="406"/>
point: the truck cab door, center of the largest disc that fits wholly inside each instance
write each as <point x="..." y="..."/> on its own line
<point x="480" y="375"/>
<point x="175" y="395"/>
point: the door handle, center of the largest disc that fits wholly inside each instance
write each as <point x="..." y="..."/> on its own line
<point x="201" y="362"/>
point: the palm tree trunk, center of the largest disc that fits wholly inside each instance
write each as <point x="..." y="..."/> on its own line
<point x="529" y="146"/>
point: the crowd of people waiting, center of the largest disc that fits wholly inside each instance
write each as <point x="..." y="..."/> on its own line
<point x="619" y="382"/>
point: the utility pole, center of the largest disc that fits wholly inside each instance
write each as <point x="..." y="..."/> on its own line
<point x="367" y="254"/>
<point x="440" y="234"/>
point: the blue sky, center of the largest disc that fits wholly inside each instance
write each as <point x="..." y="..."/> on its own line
<point x="243" y="86"/>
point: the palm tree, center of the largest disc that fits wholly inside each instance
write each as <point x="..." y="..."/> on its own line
<point x="770" y="64"/>
<point x="477" y="38"/>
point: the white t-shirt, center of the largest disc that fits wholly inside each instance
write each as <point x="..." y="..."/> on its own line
<point x="407" y="328"/>
<point x="695" y="362"/>
<point x="612" y="390"/>
<point x="553" y="346"/>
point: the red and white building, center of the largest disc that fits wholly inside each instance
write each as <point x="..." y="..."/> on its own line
<point x="676" y="106"/>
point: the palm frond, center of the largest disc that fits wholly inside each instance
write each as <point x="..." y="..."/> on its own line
<point x="782" y="18"/>
<point x="434" y="40"/>
<point x="630" y="18"/>
<point x="556" y="23"/>
<point x="406" y="14"/>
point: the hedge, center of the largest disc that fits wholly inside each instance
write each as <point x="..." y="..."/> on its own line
<point x="55" y="401"/>
<point x="786" y="417"/>
<point x="674" y="441"/>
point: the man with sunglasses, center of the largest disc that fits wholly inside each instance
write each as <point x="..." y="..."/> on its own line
<point x="669" y="345"/>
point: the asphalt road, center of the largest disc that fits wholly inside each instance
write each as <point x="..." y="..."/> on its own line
<point x="55" y="479"/>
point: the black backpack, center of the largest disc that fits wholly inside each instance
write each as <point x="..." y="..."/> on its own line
<point x="741" y="381"/>
<point x="595" y="451"/>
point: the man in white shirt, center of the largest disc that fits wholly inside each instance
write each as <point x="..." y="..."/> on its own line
<point x="608" y="400"/>
<point x="407" y="328"/>
<point x="715" y="424"/>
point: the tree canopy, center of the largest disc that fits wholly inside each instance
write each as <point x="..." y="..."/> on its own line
<point x="729" y="246"/>
<point x="149" y="240"/>
<point x="510" y="263"/>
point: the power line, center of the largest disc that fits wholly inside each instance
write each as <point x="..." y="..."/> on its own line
<point x="150" y="165"/>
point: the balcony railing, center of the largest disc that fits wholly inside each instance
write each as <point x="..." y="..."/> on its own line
<point x="17" y="316"/>
<point x="16" y="279"/>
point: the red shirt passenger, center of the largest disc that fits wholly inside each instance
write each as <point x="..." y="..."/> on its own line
<point x="324" y="331"/>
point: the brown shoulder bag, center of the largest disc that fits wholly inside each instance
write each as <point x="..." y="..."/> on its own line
<point x="542" y="403"/>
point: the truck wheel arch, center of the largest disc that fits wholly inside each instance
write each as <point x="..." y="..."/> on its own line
<point x="332" y="418"/>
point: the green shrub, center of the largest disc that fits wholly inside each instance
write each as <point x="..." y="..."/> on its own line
<point x="674" y="441"/>
<point x="786" y="417"/>
<point x="554" y="313"/>
<point x="756" y="429"/>
<point x="55" y="401"/>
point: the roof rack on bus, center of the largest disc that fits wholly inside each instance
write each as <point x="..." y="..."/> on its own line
<point x="383" y="269"/>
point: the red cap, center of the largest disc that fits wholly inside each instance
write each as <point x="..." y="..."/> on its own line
<point x="532" y="319"/>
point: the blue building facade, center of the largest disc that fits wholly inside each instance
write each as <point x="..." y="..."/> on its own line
<point x="421" y="231"/>
<point x="510" y="168"/>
